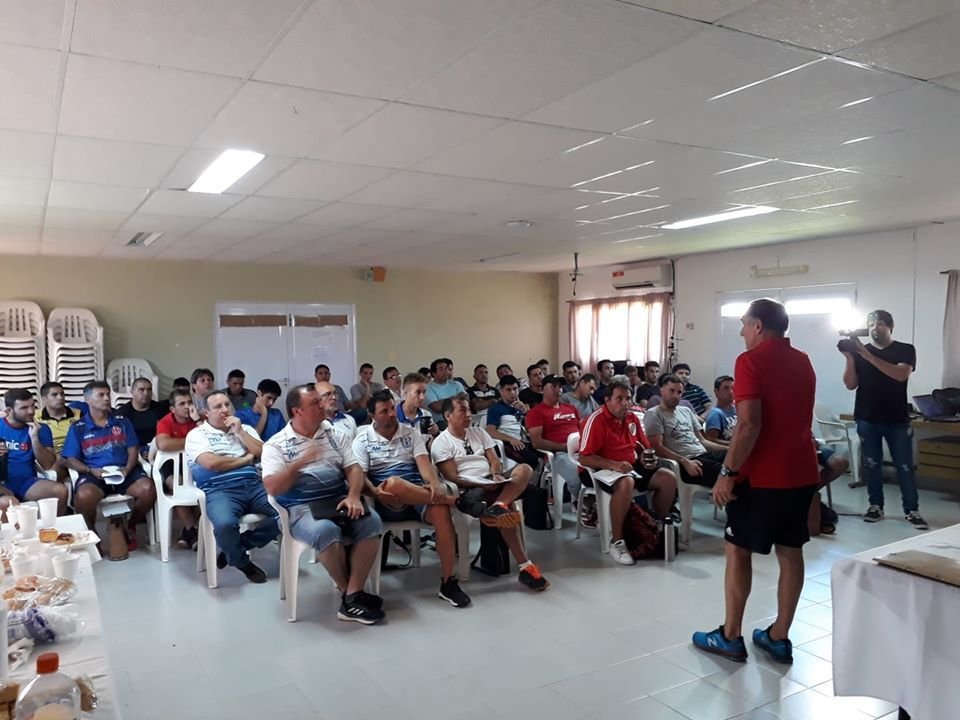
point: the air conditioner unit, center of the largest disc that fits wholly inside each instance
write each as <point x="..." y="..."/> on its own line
<point x="643" y="277"/>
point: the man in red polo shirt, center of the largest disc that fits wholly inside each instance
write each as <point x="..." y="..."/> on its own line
<point x="549" y="424"/>
<point x="608" y="446"/>
<point x="767" y="480"/>
<point x="172" y="431"/>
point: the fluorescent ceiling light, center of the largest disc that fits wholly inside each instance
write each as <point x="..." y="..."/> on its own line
<point x="743" y="167"/>
<point x="639" y="237"/>
<point x="766" y="79"/>
<point x="836" y="204"/>
<point x="857" y="140"/>
<point x="223" y="172"/>
<point x="856" y="102"/>
<point x="720" y="217"/>
<point x="583" y="145"/>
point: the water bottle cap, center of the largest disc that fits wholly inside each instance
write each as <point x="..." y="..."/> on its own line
<point x="48" y="663"/>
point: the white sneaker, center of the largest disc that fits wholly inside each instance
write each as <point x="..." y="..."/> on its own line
<point x="619" y="552"/>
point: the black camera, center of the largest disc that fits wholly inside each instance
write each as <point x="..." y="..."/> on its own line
<point x="847" y="344"/>
<point x="425" y="423"/>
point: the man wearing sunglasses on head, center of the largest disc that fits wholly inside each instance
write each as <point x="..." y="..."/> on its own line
<point x="466" y="456"/>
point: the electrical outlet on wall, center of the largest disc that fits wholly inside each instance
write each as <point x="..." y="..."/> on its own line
<point x="690" y="326"/>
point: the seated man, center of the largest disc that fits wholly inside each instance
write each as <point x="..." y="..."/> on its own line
<point x="549" y="424"/>
<point x="411" y="411"/>
<point x="442" y="386"/>
<point x="240" y="397"/>
<point x="361" y="392"/>
<point x="676" y="434"/>
<point x="223" y="454"/>
<point x="466" y="456"/>
<point x="341" y="421"/>
<point x="201" y="384"/>
<point x="393" y="381"/>
<point x="832" y="465"/>
<point x="181" y="383"/>
<point x="571" y="376"/>
<point x="608" y="446"/>
<point x="648" y="388"/>
<point x="144" y="413"/>
<point x="722" y="419"/>
<point x="632" y="373"/>
<point x="24" y="444"/>
<point x="55" y="413"/>
<point x="505" y="423"/>
<point x="604" y="377"/>
<point x="482" y="394"/>
<point x="533" y="393"/>
<point x="321" y="373"/>
<point x="582" y="396"/>
<point x="100" y="440"/>
<point x="262" y="416"/>
<point x="405" y="485"/>
<point x="544" y="365"/>
<point x="308" y="462"/>
<point x="172" y="433"/>
<point x="694" y="394"/>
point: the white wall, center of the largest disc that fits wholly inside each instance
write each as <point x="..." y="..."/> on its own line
<point x="898" y="271"/>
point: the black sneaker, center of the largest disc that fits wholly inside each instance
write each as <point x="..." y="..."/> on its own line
<point x="874" y="513"/>
<point x="468" y="506"/>
<point x="221" y="561"/>
<point x="451" y="592"/>
<point x="918" y="522"/>
<point x="532" y="578"/>
<point x="374" y="602"/>
<point x="353" y="611"/>
<point x="183" y="539"/>
<point x="500" y="516"/>
<point x="254" y="574"/>
<point x="193" y="538"/>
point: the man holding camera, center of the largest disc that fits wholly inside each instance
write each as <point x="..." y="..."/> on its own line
<point x="879" y="372"/>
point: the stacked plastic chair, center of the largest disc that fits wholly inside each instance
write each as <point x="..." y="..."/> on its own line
<point x="74" y="349"/>
<point x="22" y="347"/>
<point x="121" y="374"/>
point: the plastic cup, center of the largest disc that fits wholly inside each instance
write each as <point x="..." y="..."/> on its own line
<point x="12" y="513"/>
<point x="65" y="565"/>
<point x="29" y="546"/>
<point x="22" y="567"/>
<point x="27" y="515"/>
<point x="48" y="511"/>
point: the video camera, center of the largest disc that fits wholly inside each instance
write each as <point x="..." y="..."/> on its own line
<point x="847" y="344"/>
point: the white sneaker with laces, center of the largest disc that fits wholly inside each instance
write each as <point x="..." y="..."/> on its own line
<point x="619" y="552"/>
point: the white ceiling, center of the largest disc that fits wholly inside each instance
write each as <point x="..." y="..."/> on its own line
<point x="407" y="133"/>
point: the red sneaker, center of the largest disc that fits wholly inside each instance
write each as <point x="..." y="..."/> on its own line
<point x="132" y="543"/>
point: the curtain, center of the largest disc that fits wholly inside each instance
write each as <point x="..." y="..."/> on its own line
<point x="951" y="332"/>
<point x="637" y="329"/>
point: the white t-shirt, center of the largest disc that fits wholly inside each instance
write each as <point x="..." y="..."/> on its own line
<point x="381" y="458"/>
<point x="345" y="424"/>
<point x="205" y="438"/>
<point x="472" y="466"/>
<point x="320" y="480"/>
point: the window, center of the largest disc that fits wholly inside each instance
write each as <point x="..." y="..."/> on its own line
<point x="632" y="328"/>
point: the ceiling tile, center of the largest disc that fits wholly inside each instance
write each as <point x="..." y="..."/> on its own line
<point x="186" y="251"/>
<point x="950" y="81"/>
<point x="267" y="209"/>
<point x="298" y="232"/>
<point x="509" y="146"/>
<point x="28" y="86"/>
<point x="547" y="54"/>
<point x="410" y="220"/>
<point x="178" y="202"/>
<point x="923" y="51"/>
<point x="828" y="25"/>
<point x="125" y="252"/>
<point x="32" y="22"/>
<point x="195" y="161"/>
<point x="225" y="37"/>
<point x="72" y="218"/>
<point x="23" y="191"/>
<point x="297" y="122"/>
<point x="237" y="229"/>
<point x="11" y="235"/>
<point x="172" y="224"/>
<point x="346" y="215"/>
<point x="87" y="196"/>
<point x="390" y="45"/>
<point x="25" y="154"/>
<point x="399" y="136"/>
<point x="318" y="180"/>
<point x="85" y="239"/>
<point x="706" y="10"/>
<point x="406" y="189"/>
<point x="122" y="101"/>
<point x="112" y="163"/>
<point x="30" y="216"/>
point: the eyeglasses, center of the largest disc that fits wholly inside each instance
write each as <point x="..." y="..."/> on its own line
<point x="466" y="447"/>
<point x="325" y="396"/>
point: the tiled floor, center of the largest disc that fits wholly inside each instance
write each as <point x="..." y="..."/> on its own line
<point x="604" y="642"/>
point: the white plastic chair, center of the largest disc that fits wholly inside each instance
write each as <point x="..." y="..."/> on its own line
<point x="207" y="541"/>
<point x="185" y="494"/>
<point x="556" y="483"/>
<point x="121" y="374"/>
<point x="150" y="519"/>
<point x="836" y="433"/>
<point x="687" y="491"/>
<point x="23" y="360"/>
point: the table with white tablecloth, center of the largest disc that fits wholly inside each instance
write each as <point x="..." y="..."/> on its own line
<point x="896" y="635"/>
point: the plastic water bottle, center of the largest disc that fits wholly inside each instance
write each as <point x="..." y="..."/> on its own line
<point x="669" y="540"/>
<point x="51" y="695"/>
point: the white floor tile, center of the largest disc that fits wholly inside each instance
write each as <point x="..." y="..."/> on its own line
<point x="752" y="681"/>
<point x="811" y="704"/>
<point x="870" y="706"/>
<point x="701" y="700"/>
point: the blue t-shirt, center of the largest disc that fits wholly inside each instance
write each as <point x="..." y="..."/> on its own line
<point x="275" y="421"/>
<point x="20" y="457"/>
<point x="99" y="447"/>
<point x="438" y="392"/>
<point x="722" y="419"/>
<point x="506" y="419"/>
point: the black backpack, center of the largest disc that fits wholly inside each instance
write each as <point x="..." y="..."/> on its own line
<point x="493" y="557"/>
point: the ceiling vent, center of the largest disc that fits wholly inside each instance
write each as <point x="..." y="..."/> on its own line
<point x="143" y="239"/>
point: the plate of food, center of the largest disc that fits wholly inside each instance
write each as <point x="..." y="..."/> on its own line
<point x="81" y="539"/>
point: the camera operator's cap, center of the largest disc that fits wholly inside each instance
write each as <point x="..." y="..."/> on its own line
<point x="554" y="380"/>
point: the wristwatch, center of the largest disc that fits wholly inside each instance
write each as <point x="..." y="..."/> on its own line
<point x="727" y="472"/>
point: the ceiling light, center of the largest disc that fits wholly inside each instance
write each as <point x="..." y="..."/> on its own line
<point x="639" y="237"/>
<point x="856" y="140"/>
<point x="759" y="82"/>
<point x="778" y="270"/>
<point x="520" y="223"/>
<point x="223" y="172"/>
<point x="144" y="239"/>
<point x="743" y="167"/>
<point x="583" y="145"/>
<point x="721" y="217"/>
<point x="824" y="207"/>
<point x="856" y="102"/>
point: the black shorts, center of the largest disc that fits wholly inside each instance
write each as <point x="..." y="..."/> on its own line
<point x="136" y="474"/>
<point x="711" y="463"/>
<point x="759" y="518"/>
<point x="640" y="484"/>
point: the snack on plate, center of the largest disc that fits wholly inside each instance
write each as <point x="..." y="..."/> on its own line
<point x="48" y="535"/>
<point x="65" y="539"/>
<point x="88" y="693"/>
<point x="34" y="590"/>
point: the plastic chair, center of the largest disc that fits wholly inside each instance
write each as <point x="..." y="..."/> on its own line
<point x="150" y="519"/>
<point x="556" y="483"/>
<point x="207" y="541"/>
<point x="835" y="433"/>
<point x="121" y="374"/>
<point x="185" y="494"/>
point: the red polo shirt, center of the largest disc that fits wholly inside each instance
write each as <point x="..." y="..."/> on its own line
<point x="602" y="434"/>
<point x="169" y="425"/>
<point x="558" y="422"/>
<point x="782" y="379"/>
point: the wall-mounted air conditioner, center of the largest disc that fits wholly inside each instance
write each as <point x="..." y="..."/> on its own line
<point x="643" y="277"/>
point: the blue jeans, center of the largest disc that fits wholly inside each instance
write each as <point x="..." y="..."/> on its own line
<point x="899" y="437"/>
<point x="226" y="506"/>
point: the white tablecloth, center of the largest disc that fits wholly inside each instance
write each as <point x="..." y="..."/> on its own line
<point x="896" y="636"/>
<point x="86" y="655"/>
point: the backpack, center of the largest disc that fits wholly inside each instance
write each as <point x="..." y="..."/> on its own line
<point x="536" y="508"/>
<point x="641" y="534"/>
<point x="493" y="557"/>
